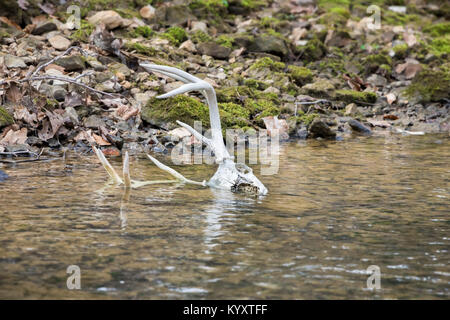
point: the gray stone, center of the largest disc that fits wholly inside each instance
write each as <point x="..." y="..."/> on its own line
<point x="269" y="44"/>
<point x="93" y="122"/>
<point x="214" y="50"/>
<point x="43" y="27"/>
<point x="319" y="129"/>
<point x="71" y="63"/>
<point x="59" y="93"/>
<point x="14" y="62"/>
<point x="359" y="127"/>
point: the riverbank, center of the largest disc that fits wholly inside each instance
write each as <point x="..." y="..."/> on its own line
<point x="318" y="67"/>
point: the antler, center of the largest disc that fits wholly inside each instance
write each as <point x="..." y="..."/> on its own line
<point x="195" y="84"/>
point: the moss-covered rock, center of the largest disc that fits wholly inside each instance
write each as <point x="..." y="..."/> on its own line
<point x="233" y="115"/>
<point x="400" y="50"/>
<point x="374" y="61"/>
<point x="438" y="29"/>
<point x="5" y="118"/>
<point x="175" y="35"/>
<point x="301" y="75"/>
<point x="164" y="112"/>
<point x="350" y="96"/>
<point x="431" y="85"/>
<point x="322" y="88"/>
<point x="312" y="51"/>
<point x="268" y="63"/>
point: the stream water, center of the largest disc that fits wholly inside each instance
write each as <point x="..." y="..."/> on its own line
<point x="333" y="210"/>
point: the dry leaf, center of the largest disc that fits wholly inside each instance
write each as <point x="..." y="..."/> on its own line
<point x="276" y="126"/>
<point x="22" y="113"/>
<point x="391" y="98"/>
<point x="390" y="117"/>
<point x="15" y="137"/>
<point x="100" y="141"/>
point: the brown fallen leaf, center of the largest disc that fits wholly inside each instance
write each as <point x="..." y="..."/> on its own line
<point x="100" y="141"/>
<point x="111" y="151"/>
<point x="390" y="117"/>
<point x="22" y="113"/>
<point x="355" y="82"/>
<point x="10" y="23"/>
<point x="125" y="112"/>
<point x="14" y="137"/>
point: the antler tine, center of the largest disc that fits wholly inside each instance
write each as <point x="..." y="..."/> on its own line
<point x="171" y="72"/>
<point x="108" y="167"/>
<point x="174" y="173"/>
<point x="126" y="171"/>
<point x="184" y="88"/>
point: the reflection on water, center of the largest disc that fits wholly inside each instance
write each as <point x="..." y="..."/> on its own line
<point x="333" y="209"/>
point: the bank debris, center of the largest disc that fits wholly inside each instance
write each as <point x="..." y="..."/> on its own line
<point x="312" y="69"/>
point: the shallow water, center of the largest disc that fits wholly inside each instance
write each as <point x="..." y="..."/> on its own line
<point x="333" y="209"/>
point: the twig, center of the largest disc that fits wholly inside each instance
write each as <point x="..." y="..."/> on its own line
<point x="67" y="79"/>
<point x="31" y="75"/>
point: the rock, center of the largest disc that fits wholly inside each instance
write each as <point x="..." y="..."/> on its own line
<point x="14" y="62"/>
<point x="322" y="88"/>
<point x="377" y="80"/>
<point x="199" y="26"/>
<point x="109" y="86"/>
<point x="43" y="27"/>
<point x="59" y="93"/>
<point x="71" y="63"/>
<point x="59" y="42"/>
<point x="93" y="122"/>
<point x="214" y="50"/>
<point x="188" y="45"/>
<point x="142" y="97"/>
<point x="5" y="118"/>
<point x="350" y="109"/>
<point x="269" y="44"/>
<point x="72" y="114"/>
<point x="272" y="90"/>
<point x="118" y="67"/>
<point x="109" y="18"/>
<point x="319" y="129"/>
<point x="147" y="12"/>
<point x="174" y="15"/>
<point x="359" y="127"/>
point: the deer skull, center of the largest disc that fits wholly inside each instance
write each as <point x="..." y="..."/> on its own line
<point x="235" y="177"/>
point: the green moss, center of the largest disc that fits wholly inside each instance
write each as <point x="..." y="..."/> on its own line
<point x="374" y="61"/>
<point x="431" y="85"/>
<point x="140" y="48"/>
<point x="268" y="63"/>
<point x="255" y="84"/>
<point x="400" y="50"/>
<point x="386" y="69"/>
<point x="439" y="46"/>
<point x="305" y="118"/>
<point x="5" y="118"/>
<point x="83" y="33"/>
<point x="233" y="115"/>
<point x="269" y="22"/>
<point x="350" y="96"/>
<point x="184" y="108"/>
<point x="199" y="37"/>
<point x="175" y="35"/>
<point x="328" y="4"/>
<point x="144" y="31"/>
<point x="301" y="75"/>
<point x="312" y="51"/>
<point x="395" y="18"/>
<point x="209" y="7"/>
<point x="240" y="94"/>
<point x="438" y="29"/>
<point x="225" y="40"/>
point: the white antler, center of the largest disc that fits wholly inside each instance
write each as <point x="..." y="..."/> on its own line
<point x="195" y="84"/>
